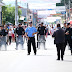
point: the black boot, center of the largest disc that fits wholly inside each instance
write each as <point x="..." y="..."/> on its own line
<point x="71" y="52"/>
<point x="58" y="57"/>
<point x="28" y="54"/>
<point x="62" y="57"/>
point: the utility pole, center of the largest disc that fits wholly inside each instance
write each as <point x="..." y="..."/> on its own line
<point x="64" y="2"/>
<point x="27" y="14"/>
<point x="33" y="18"/>
<point x="16" y="13"/>
<point x="69" y="9"/>
<point x="65" y="8"/>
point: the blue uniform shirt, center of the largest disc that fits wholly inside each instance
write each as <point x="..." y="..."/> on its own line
<point x="30" y="31"/>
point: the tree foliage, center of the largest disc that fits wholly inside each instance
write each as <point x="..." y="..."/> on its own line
<point x="8" y="13"/>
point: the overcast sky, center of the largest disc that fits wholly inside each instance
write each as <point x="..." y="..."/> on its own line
<point x="22" y="2"/>
<point x="34" y="1"/>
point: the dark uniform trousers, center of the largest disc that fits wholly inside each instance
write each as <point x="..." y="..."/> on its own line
<point x="31" y="40"/>
<point x="60" y="47"/>
<point x="37" y="40"/>
<point x="69" y="42"/>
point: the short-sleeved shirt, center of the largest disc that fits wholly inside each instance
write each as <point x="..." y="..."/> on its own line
<point x="30" y="31"/>
<point x="42" y="30"/>
<point x="3" y="32"/>
<point x="19" y="30"/>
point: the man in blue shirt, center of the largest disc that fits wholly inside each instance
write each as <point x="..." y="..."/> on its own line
<point x="30" y="34"/>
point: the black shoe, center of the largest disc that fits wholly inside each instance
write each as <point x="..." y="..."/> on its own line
<point x="58" y="59"/>
<point x="28" y="54"/>
<point x="16" y="49"/>
<point x="62" y="59"/>
<point x="34" y="53"/>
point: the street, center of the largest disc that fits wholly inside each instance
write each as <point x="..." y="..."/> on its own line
<point x="32" y="20"/>
<point x="45" y="60"/>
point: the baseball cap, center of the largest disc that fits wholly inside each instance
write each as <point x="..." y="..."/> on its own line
<point x="68" y="24"/>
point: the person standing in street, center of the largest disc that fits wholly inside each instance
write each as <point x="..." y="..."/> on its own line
<point x="41" y="35"/>
<point x="52" y="30"/>
<point x="3" y="36"/>
<point x="19" y="36"/>
<point x="64" y="27"/>
<point x="71" y="38"/>
<point x="10" y="36"/>
<point x="38" y="29"/>
<point x="59" y="36"/>
<point x="68" y="34"/>
<point x="30" y="34"/>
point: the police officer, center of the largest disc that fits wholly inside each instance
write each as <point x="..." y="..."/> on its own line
<point x="41" y="34"/>
<point x="64" y="27"/>
<point x="68" y="33"/>
<point x="0" y="36"/>
<point x="30" y="34"/>
<point x="3" y="34"/>
<point x="38" y="33"/>
<point x="0" y="30"/>
<point x="19" y="36"/>
<point x="59" y="36"/>
<point x="71" y="38"/>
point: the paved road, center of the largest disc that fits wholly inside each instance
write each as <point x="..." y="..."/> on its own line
<point x="45" y="61"/>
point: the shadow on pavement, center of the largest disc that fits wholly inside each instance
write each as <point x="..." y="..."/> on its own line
<point x="67" y="60"/>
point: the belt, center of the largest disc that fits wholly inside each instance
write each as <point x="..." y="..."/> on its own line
<point x="31" y="37"/>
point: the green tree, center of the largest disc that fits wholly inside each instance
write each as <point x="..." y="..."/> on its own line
<point x="8" y="13"/>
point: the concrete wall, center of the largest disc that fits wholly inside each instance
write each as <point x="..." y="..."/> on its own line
<point x="1" y="4"/>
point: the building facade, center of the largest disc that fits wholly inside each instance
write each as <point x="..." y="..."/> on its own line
<point x="1" y="4"/>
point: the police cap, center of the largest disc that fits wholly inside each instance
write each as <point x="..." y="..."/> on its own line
<point x="68" y="24"/>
